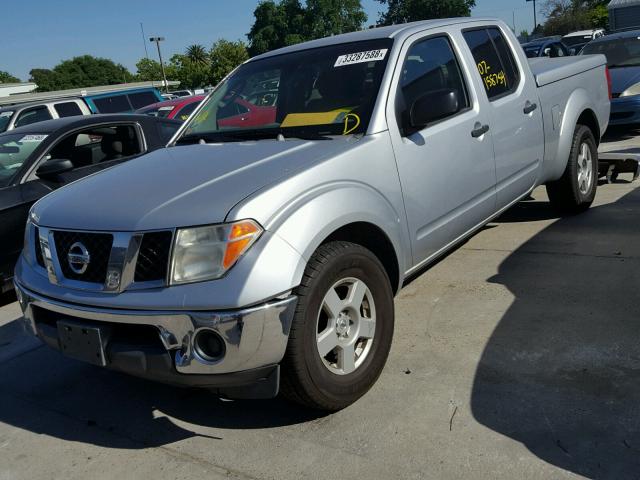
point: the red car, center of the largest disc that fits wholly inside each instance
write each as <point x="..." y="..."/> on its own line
<point x="178" y="108"/>
<point x="242" y="113"/>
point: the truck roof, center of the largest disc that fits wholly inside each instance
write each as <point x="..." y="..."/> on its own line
<point x="391" y="31"/>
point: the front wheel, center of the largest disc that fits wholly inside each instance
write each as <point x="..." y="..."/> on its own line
<point x="342" y="330"/>
<point x="575" y="191"/>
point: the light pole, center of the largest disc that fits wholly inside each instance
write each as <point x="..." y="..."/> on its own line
<point x="164" y="77"/>
<point x="535" y="20"/>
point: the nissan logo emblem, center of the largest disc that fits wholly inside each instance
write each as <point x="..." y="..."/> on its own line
<point x="78" y="258"/>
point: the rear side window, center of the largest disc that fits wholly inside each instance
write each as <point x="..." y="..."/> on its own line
<point x="142" y="99"/>
<point x="494" y="61"/>
<point x="67" y="109"/>
<point x="429" y="67"/>
<point x="33" y="115"/>
<point x="113" y="104"/>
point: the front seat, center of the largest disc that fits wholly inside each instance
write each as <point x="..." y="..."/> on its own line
<point x="111" y="147"/>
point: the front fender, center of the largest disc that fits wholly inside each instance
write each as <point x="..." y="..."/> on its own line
<point x="312" y="217"/>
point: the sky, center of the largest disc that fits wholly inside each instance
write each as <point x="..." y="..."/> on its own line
<point x="41" y="33"/>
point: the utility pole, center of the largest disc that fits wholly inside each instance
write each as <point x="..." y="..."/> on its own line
<point x="164" y="77"/>
<point x="513" y="20"/>
<point x="535" y="20"/>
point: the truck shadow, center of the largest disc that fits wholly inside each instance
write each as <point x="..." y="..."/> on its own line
<point x="45" y="393"/>
<point x="561" y="371"/>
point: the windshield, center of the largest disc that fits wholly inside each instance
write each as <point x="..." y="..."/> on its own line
<point x="533" y="51"/>
<point x="620" y="52"/>
<point x="14" y="152"/>
<point x="310" y="93"/>
<point x="5" y="118"/>
<point x="577" y="40"/>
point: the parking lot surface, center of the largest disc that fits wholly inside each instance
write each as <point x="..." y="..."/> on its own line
<point x="516" y="356"/>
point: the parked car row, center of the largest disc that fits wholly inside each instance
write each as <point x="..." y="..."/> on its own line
<point x="260" y="251"/>
<point x="21" y="114"/>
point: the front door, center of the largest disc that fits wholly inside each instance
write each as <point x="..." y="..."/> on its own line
<point x="516" y="117"/>
<point x="447" y="169"/>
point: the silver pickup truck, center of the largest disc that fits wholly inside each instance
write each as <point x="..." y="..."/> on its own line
<point x="261" y="251"/>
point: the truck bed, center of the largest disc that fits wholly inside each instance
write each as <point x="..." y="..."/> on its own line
<point x="550" y="70"/>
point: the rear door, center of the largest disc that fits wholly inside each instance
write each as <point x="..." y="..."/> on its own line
<point x="447" y="170"/>
<point x="516" y="117"/>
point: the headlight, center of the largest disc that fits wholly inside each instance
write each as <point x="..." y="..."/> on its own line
<point x="206" y="253"/>
<point x="632" y="90"/>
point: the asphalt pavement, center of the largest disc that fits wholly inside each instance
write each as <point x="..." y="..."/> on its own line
<point x="516" y="356"/>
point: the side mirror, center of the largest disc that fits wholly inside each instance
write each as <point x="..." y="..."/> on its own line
<point x="433" y="106"/>
<point x="53" y="167"/>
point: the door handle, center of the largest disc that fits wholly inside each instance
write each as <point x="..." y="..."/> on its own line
<point x="479" y="130"/>
<point x="529" y="107"/>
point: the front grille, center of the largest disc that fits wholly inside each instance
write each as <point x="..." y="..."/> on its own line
<point x="153" y="257"/>
<point x="38" y="247"/>
<point x="97" y="244"/>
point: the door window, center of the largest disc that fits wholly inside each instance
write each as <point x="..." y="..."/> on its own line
<point x="33" y="115"/>
<point x="67" y="109"/>
<point x="142" y="99"/>
<point x="431" y="66"/>
<point x="98" y="145"/>
<point x="113" y="104"/>
<point x="494" y="60"/>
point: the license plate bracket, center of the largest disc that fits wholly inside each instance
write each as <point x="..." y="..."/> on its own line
<point x="83" y="342"/>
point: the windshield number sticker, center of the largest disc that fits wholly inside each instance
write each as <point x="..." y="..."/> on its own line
<point x="33" y="138"/>
<point x="5" y="114"/>
<point x="361" y="57"/>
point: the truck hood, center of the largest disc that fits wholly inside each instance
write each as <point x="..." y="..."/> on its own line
<point x="178" y="186"/>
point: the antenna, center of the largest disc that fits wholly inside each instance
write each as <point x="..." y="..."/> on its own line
<point x="146" y="53"/>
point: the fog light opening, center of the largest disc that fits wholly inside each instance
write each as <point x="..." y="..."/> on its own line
<point x="209" y="346"/>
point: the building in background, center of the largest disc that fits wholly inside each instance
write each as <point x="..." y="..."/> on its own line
<point x="7" y="89"/>
<point x="624" y="15"/>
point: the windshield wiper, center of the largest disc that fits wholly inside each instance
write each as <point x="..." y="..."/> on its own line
<point x="301" y="134"/>
<point x="243" y="135"/>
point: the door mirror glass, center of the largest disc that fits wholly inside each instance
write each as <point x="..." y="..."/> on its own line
<point x="433" y="106"/>
<point x="51" y="168"/>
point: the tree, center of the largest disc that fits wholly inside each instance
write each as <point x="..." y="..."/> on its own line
<point x="6" y="77"/>
<point x="564" y="16"/>
<point x="225" y="56"/>
<point x="197" y="54"/>
<point x="278" y="24"/>
<point x="332" y="17"/>
<point x="148" y="70"/>
<point x="187" y="72"/>
<point x="83" y="71"/>
<point x="403" y="11"/>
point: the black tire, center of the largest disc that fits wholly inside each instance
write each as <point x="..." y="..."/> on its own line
<point x="305" y="377"/>
<point x="565" y="193"/>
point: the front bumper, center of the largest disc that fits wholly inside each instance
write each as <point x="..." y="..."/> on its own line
<point x="159" y="345"/>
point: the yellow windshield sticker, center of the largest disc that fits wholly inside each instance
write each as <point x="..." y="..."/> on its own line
<point x="312" y="118"/>
<point x="491" y="78"/>
<point x="347" y="129"/>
